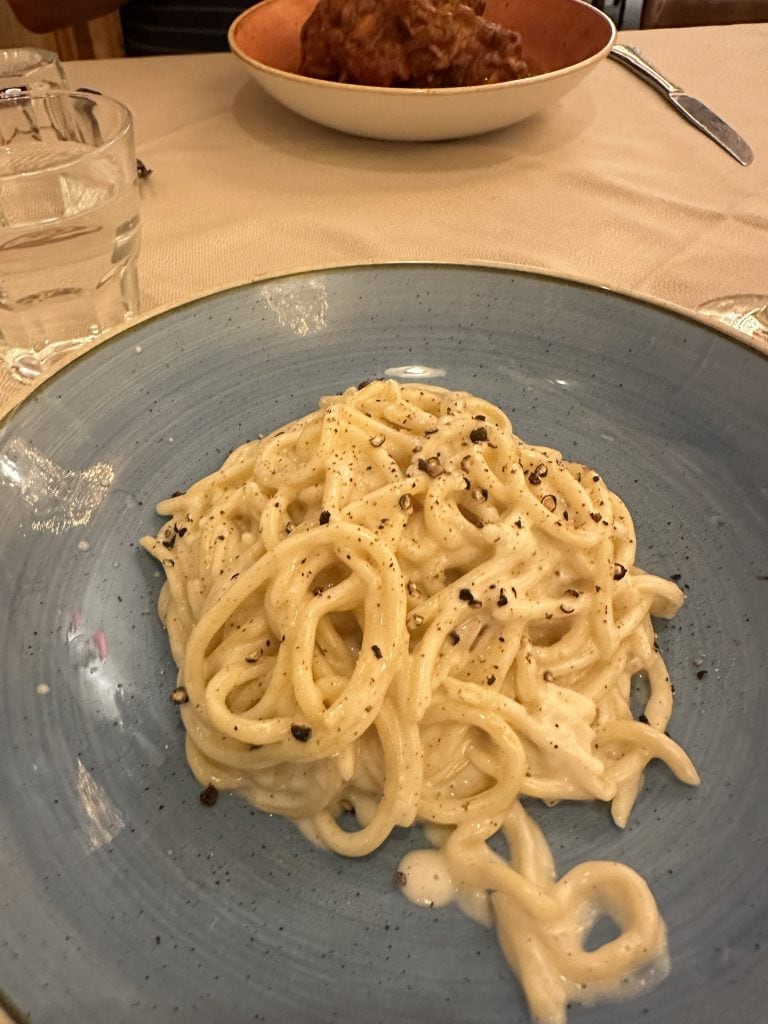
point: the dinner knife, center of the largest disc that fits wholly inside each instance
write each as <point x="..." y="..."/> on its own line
<point x="692" y="110"/>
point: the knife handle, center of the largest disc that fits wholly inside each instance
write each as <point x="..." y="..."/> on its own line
<point x="631" y="57"/>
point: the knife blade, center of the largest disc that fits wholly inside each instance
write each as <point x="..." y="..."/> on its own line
<point x="693" y="110"/>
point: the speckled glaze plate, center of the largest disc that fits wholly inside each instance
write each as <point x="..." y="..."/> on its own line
<point x="123" y="898"/>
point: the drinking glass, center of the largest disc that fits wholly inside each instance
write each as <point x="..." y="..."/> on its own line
<point x="745" y="313"/>
<point x="69" y="224"/>
<point x="37" y="69"/>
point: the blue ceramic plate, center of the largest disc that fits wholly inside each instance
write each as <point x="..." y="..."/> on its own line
<point x="122" y="898"/>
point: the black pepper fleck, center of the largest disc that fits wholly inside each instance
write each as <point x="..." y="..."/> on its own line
<point x="209" y="795"/>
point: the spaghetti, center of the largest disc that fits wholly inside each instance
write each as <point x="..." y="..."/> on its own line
<point x="396" y="606"/>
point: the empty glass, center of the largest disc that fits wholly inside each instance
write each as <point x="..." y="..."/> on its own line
<point x="745" y="313"/>
<point x="35" y="68"/>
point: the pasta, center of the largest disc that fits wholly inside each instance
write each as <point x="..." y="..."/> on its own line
<point x="395" y="606"/>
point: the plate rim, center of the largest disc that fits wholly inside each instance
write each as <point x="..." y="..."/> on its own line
<point x="590" y="284"/>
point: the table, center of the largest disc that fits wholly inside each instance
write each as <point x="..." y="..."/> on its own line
<point x="610" y="185"/>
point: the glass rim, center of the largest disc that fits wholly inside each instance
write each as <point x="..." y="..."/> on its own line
<point x="41" y="50"/>
<point x="122" y="131"/>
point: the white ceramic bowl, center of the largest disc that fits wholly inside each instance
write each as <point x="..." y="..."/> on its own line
<point x="563" y="40"/>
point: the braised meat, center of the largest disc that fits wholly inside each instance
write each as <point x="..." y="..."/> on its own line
<point x="420" y="44"/>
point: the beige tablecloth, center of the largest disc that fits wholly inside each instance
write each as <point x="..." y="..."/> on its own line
<point x="610" y="185"/>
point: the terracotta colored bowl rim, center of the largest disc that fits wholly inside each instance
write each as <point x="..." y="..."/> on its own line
<point x="519" y="83"/>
